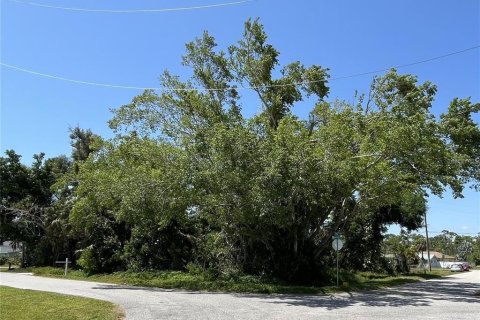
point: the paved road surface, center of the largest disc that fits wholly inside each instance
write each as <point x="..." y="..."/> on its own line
<point x="447" y="298"/>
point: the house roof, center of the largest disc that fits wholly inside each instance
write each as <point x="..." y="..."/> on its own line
<point x="435" y="254"/>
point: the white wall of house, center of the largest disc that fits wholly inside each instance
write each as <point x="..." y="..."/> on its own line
<point x="6" y="248"/>
<point x="433" y="262"/>
<point x="448" y="264"/>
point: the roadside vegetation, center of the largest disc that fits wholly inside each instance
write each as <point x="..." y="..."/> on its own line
<point x="207" y="281"/>
<point x="22" y="304"/>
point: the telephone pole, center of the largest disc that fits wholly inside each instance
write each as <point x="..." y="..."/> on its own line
<point x="428" y="244"/>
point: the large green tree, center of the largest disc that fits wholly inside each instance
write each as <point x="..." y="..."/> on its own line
<point x="265" y="194"/>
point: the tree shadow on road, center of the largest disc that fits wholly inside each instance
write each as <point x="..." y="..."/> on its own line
<point x="417" y="294"/>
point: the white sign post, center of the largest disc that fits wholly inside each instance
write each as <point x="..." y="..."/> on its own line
<point x="337" y="244"/>
<point x="66" y="262"/>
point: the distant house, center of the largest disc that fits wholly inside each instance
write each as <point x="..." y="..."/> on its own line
<point x="423" y="259"/>
<point x="437" y="259"/>
<point x="7" y="249"/>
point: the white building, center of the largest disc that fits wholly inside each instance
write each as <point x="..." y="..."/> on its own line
<point x="423" y="258"/>
<point x="7" y="249"/>
<point x="437" y="260"/>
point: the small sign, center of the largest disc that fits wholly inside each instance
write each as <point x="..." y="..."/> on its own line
<point x="337" y="244"/>
<point x="66" y="262"/>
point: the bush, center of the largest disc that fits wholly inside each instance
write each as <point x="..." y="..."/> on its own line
<point x="87" y="261"/>
<point x="194" y="269"/>
<point x="15" y="260"/>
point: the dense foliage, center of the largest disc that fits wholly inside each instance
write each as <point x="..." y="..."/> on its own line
<point x="189" y="181"/>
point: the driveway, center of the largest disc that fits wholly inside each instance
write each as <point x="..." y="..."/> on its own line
<point x="451" y="297"/>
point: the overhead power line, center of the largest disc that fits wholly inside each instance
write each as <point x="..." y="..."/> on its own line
<point x="98" y="84"/>
<point x="459" y="233"/>
<point x="109" y="85"/>
<point x="412" y="63"/>
<point x="207" y="6"/>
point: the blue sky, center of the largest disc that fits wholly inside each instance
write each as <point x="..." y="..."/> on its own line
<point x="132" y="49"/>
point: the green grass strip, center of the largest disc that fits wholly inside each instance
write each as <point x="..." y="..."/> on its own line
<point x="349" y="281"/>
<point x="20" y="304"/>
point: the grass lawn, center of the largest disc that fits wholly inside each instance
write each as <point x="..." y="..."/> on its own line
<point x="370" y="280"/>
<point x="21" y="304"/>
<point x="239" y="283"/>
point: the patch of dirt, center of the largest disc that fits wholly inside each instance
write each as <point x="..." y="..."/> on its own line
<point x="119" y="313"/>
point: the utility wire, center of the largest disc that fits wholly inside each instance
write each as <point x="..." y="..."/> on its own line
<point x="459" y="233"/>
<point x="410" y="64"/>
<point x="208" y="6"/>
<point x="108" y="85"/>
<point x="98" y="84"/>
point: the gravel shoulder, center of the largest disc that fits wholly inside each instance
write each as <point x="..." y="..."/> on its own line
<point x="451" y="297"/>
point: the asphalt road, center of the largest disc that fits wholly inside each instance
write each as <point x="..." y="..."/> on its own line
<point x="451" y="297"/>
